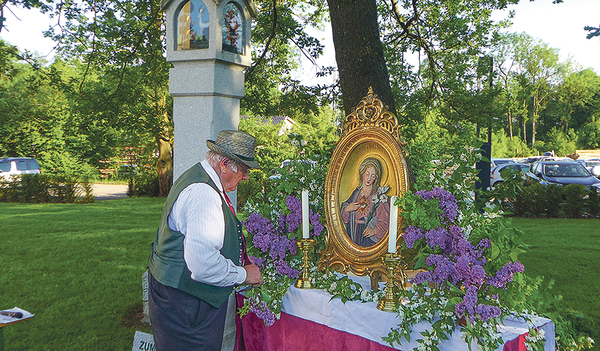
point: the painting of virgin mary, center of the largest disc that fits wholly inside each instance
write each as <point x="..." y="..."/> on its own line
<point x="366" y="213"/>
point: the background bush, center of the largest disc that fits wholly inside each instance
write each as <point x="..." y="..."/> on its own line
<point x="526" y="199"/>
<point x="144" y="184"/>
<point x="43" y="188"/>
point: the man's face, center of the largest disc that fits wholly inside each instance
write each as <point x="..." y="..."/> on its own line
<point x="231" y="179"/>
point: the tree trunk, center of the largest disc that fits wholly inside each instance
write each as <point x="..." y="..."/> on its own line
<point x="164" y="165"/>
<point x="533" y="133"/>
<point x="510" y="128"/>
<point x="524" y="130"/>
<point x="359" y="52"/>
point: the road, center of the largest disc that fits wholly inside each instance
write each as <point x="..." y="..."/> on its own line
<point x="109" y="191"/>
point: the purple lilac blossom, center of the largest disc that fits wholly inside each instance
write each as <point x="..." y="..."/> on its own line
<point x="486" y="312"/>
<point x="294" y="219"/>
<point x="262" y="311"/>
<point x="447" y="201"/>
<point x="412" y="234"/>
<point x="475" y="277"/>
<point x="282" y="267"/>
<point x="484" y="244"/>
<point x="281" y="223"/>
<point x="316" y="223"/>
<point x="462" y="263"/>
<point x="257" y="261"/>
<point x="467" y="305"/>
<point x="262" y="241"/>
<point x="279" y="244"/>
<point x="440" y="237"/>
<point x="505" y="274"/>
<point x="256" y="224"/>
<point x="443" y="270"/>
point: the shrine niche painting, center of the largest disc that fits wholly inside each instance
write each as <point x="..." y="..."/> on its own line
<point x="368" y="166"/>
<point x="192" y="26"/>
<point x="232" y="29"/>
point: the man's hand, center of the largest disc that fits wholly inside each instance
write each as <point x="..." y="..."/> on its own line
<point x="253" y="275"/>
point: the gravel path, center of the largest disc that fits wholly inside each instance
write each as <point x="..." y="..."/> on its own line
<point x="109" y="191"/>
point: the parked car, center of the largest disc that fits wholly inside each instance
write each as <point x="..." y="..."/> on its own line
<point x="562" y="173"/>
<point x="495" y="162"/>
<point x="13" y="166"/>
<point x="592" y="165"/>
<point x="496" y="176"/>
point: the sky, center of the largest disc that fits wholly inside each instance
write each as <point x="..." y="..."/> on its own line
<point x="558" y="25"/>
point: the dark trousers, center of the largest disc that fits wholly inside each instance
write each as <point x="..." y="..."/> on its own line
<point x="183" y="322"/>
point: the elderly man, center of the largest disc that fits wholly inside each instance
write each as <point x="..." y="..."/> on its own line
<point x="199" y="251"/>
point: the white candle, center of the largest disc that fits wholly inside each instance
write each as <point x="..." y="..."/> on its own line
<point x="304" y="214"/>
<point x="393" y="226"/>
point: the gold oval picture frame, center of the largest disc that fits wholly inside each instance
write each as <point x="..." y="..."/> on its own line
<point x="369" y="150"/>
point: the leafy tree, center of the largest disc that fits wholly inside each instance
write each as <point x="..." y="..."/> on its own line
<point x="575" y="93"/>
<point x="540" y="72"/>
<point x="359" y="52"/>
<point x="119" y="93"/>
<point x="589" y="136"/>
<point x="36" y="120"/>
<point x="279" y="39"/>
<point x="563" y="143"/>
<point x="505" y="62"/>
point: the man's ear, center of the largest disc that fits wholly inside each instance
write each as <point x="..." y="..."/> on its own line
<point x="223" y="166"/>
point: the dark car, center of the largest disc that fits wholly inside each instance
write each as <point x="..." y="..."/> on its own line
<point x="562" y="173"/>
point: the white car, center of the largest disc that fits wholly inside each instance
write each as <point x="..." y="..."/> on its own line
<point x="496" y="177"/>
<point x="13" y="166"/>
<point x="592" y="165"/>
<point x="495" y="162"/>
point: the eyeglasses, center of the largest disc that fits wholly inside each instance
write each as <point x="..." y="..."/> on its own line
<point x="244" y="170"/>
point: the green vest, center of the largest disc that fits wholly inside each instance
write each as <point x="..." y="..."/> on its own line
<point x="166" y="259"/>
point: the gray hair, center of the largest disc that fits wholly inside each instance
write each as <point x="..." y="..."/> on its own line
<point x="214" y="159"/>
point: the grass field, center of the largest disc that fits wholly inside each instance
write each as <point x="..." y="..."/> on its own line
<point x="568" y="251"/>
<point x="78" y="268"/>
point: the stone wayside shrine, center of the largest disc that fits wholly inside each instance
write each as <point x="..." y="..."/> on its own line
<point x="208" y="44"/>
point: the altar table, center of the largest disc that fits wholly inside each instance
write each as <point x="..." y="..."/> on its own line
<point x="312" y="321"/>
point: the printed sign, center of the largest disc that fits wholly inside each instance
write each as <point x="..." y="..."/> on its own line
<point x="143" y="342"/>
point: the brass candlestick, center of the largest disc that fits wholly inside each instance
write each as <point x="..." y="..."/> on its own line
<point x="306" y="245"/>
<point x="388" y="303"/>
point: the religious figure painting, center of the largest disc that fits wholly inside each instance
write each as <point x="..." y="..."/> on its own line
<point x="192" y="26"/>
<point x="232" y="29"/>
<point x="366" y="213"/>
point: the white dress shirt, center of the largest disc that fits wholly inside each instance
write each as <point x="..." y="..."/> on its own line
<point x="198" y="215"/>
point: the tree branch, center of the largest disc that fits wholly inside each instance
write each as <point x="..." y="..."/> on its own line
<point x="250" y="72"/>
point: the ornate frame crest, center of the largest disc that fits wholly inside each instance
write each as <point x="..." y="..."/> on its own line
<point x="370" y="132"/>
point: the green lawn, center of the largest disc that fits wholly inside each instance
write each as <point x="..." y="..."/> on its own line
<point x="78" y="268"/>
<point x="568" y="251"/>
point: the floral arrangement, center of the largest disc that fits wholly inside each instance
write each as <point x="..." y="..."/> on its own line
<point x="277" y="267"/>
<point x="464" y="287"/>
<point x="470" y="277"/>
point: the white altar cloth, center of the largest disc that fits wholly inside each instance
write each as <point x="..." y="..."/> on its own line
<point x="365" y="320"/>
